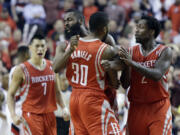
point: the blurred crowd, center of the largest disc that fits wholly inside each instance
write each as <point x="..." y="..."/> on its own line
<point x="19" y="19"/>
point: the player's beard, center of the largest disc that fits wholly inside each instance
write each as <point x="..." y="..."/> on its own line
<point x="141" y="40"/>
<point x="74" y="30"/>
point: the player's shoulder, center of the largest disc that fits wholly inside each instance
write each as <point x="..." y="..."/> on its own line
<point x="110" y="40"/>
<point x="109" y="52"/>
<point x="49" y="63"/>
<point x="12" y="69"/>
<point x="18" y="70"/>
<point x="166" y="51"/>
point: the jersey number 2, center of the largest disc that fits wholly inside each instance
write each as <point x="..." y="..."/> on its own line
<point x="143" y="81"/>
<point x="80" y="69"/>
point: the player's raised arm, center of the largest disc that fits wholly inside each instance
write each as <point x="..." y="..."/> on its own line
<point x="17" y="79"/>
<point x="63" y="53"/>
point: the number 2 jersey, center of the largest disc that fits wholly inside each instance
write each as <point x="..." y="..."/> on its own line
<point x="142" y="89"/>
<point x="38" y="89"/>
<point x="84" y="70"/>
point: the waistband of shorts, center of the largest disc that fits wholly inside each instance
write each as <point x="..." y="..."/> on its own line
<point x="88" y="90"/>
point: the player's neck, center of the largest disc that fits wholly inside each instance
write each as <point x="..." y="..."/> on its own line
<point x="148" y="45"/>
<point x="36" y="62"/>
<point x="93" y="36"/>
<point x="84" y="31"/>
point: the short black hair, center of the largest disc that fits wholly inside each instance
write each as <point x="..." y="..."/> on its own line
<point x="153" y="24"/>
<point x="97" y="21"/>
<point x="77" y="13"/>
<point x="22" y="50"/>
<point x="38" y="35"/>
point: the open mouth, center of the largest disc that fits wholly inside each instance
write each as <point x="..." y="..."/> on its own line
<point x="40" y="54"/>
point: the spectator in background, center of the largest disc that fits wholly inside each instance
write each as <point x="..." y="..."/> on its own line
<point x="89" y="9"/>
<point x="17" y="7"/>
<point x="52" y="9"/>
<point x="4" y="44"/>
<point x="160" y="8"/>
<point x="1" y="5"/>
<point x="57" y="34"/>
<point x="135" y="13"/>
<point x="174" y="15"/>
<point x="4" y="17"/>
<point x="129" y="32"/>
<point x="146" y="7"/>
<point x="5" y="31"/>
<point x="16" y="39"/>
<point x="126" y="3"/>
<point x="34" y="13"/>
<point x="3" y="71"/>
<point x="67" y="4"/>
<point x="167" y="34"/>
<point x="116" y="13"/>
<point x="113" y="29"/>
<point x="101" y="4"/>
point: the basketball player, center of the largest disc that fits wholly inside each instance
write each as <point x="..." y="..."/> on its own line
<point x="89" y="107"/>
<point x="150" y="111"/>
<point x="39" y="92"/>
<point x="22" y="56"/>
<point x="75" y="25"/>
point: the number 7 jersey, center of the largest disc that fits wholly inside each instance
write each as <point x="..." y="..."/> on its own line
<point x="84" y="70"/>
<point x="142" y="89"/>
<point x="38" y="89"/>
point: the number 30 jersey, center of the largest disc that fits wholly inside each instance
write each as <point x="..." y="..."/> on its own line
<point x="38" y="89"/>
<point x="84" y="70"/>
<point x="143" y="89"/>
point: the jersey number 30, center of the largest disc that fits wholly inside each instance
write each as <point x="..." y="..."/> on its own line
<point x="80" y="74"/>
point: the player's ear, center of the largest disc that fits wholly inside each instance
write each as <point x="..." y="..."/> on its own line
<point x="105" y="29"/>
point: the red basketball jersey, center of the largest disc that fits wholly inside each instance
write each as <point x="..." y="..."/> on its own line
<point x="84" y="70"/>
<point x="143" y="89"/>
<point x="38" y="93"/>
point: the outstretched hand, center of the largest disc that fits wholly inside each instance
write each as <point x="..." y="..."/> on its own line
<point x="125" y="56"/>
<point x="74" y="42"/>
